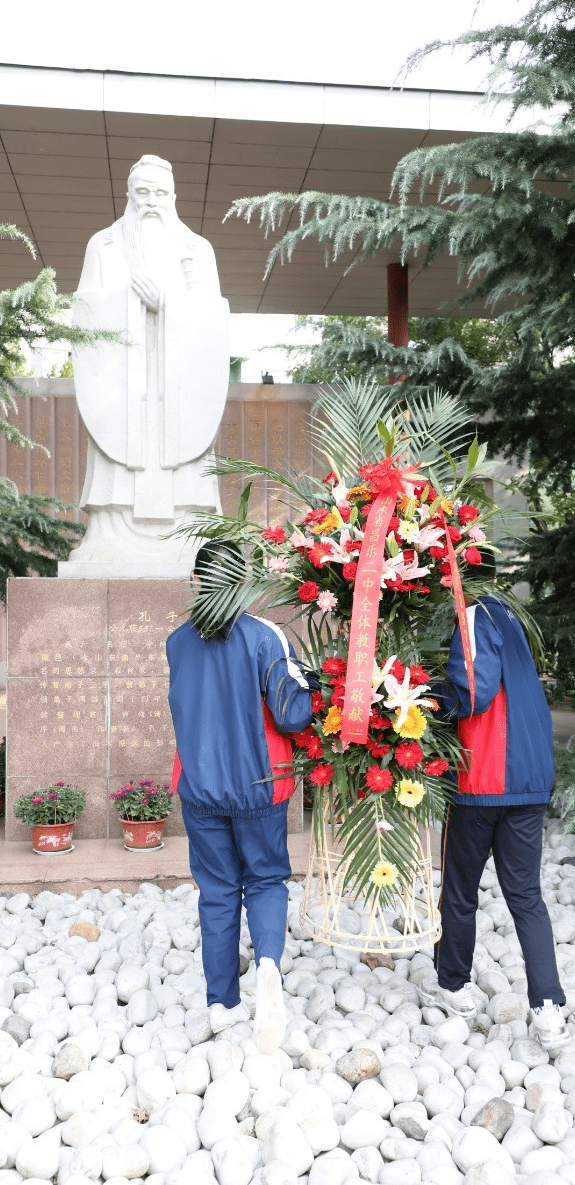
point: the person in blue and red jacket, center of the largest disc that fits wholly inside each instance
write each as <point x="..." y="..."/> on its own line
<point x="234" y="697"/>
<point x="502" y="791"/>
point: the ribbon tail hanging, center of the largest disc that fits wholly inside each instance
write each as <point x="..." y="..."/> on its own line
<point x="461" y="614"/>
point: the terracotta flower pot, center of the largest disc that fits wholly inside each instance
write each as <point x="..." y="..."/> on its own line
<point x="50" y="839"/>
<point x="143" y="835"/>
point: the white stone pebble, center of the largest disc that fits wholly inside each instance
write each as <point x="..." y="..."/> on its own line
<point x="110" y="1072"/>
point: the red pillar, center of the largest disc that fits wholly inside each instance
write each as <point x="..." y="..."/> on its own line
<point x="397" y="308"/>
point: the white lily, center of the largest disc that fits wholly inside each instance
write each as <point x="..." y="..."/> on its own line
<point x="298" y="539"/>
<point x="429" y="537"/>
<point x="339" y="493"/>
<point x="401" y="696"/>
<point x="339" y="553"/>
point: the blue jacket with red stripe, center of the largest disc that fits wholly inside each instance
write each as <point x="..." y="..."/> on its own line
<point x="510" y="734"/>
<point x="232" y="702"/>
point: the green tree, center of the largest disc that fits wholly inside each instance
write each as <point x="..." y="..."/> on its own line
<point x="445" y="351"/>
<point x="34" y="534"/>
<point x="515" y="245"/>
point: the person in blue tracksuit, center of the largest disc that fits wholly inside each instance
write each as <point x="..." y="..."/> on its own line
<point x="233" y="698"/>
<point x="503" y="788"/>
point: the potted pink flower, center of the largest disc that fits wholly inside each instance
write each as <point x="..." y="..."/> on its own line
<point x="143" y="808"/>
<point x="50" y="814"/>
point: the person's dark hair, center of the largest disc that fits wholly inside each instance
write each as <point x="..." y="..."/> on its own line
<point x="483" y="573"/>
<point x="213" y="551"/>
<point x="220" y="566"/>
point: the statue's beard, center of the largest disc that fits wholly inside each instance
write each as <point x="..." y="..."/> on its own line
<point x="151" y="242"/>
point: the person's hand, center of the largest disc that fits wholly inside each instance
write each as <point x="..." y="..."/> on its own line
<point x="145" y="288"/>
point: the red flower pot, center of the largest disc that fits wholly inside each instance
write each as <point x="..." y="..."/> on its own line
<point x="49" y="839"/>
<point x="143" y="835"/>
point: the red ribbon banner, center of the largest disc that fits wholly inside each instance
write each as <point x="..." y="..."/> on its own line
<point x="358" y="680"/>
<point x="461" y="614"/>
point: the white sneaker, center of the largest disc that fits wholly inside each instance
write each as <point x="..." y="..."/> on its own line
<point x="549" y="1027"/>
<point x="270" y="1017"/>
<point x="459" y="1003"/>
<point x="222" y="1017"/>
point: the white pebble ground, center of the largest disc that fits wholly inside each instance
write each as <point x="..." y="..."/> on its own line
<point x="109" y="1070"/>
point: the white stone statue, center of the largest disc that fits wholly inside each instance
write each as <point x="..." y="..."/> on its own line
<point x="152" y="404"/>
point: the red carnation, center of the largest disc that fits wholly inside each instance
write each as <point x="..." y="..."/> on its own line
<point x="361" y="794"/>
<point x="317" y="516"/>
<point x="472" y="556"/>
<point x="302" y="739"/>
<point x="376" y="721"/>
<point x="330" y="477"/>
<point x="417" y="676"/>
<point x="397" y="670"/>
<point x="408" y="755"/>
<point x="445" y="567"/>
<point x="467" y="513"/>
<point x="349" y="571"/>
<point x="317" y="704"/>
<point x="321" y="775"/>
<point x="438" y="552"/>
<point x="334" y="666"/>
<point x="408" y="557"/>
<point x="379" y="780"/>
<point x="353" y="545"/>
<point x="454" y="533"/>
<point x="317" y="552"/>
<point x="275" y="535"/>
<point x="422" y="589"/>
<point x="308" y="591"/>
<point x="338" y="694"/>
<point x="376" y="749"/>
<point x="314" y="748"/>
<point x="384" y="477"/>
<point x="345" y="510"/>
<point x="436" y="767"/>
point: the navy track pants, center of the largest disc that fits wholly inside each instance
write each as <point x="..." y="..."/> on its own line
<point x="232" y="859"/>
<point x="514" y="834"/>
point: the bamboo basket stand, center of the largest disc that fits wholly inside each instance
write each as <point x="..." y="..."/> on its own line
<point x="407" y="922"/>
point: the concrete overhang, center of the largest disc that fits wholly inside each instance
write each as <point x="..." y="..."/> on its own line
<point x="68" y="139"/>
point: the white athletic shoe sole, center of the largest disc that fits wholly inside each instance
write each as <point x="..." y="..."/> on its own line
<point x="270" y="1017"/>
<point x="222" y="1018"/>
<point x="459" y="1003"/>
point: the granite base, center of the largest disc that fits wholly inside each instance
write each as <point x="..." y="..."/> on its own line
<point x="87" y="693"/>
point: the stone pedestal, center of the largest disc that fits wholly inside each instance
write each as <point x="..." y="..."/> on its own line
<point x="87" y="692"/>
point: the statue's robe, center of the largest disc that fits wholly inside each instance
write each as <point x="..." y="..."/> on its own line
<point x="152" y="404"/>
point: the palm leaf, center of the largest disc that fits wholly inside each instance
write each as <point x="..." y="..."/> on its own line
<point x="344" y="422"/>
<point x="439" y="429"/>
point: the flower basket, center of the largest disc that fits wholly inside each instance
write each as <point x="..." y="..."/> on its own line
<point x="404" y="922"/>
<point x="375" y="560"/>
<point x="50" y="814"/>
<point x="143" y="808"/>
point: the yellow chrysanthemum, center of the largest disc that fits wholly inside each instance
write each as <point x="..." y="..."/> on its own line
<point x="329" y="523"/>
<point x="332" y="722"/>
<point x="446" y="506"/>
<point x="361" y="491"/>
<point x="409" y="793"/>
<point x="384" y="874"/>
<point x="408" y="530"/>
<point x="414" y="724"/>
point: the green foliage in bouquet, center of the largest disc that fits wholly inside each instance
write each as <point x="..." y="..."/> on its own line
<point x="143" y="801"/>
<point x="57" y="803"/>
<point x="379" y="792"/>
